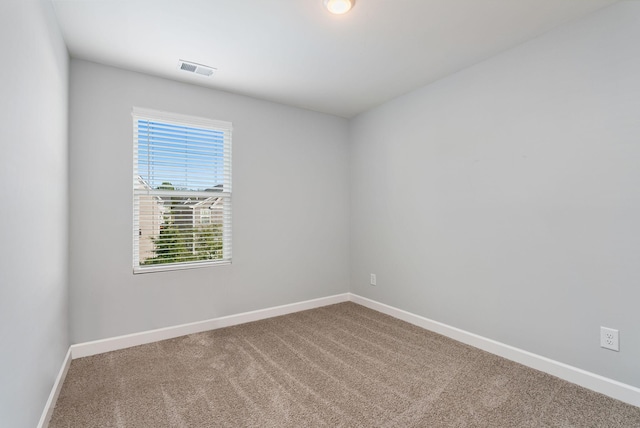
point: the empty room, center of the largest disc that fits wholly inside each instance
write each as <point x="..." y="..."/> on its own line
<point x="301" y="213"/>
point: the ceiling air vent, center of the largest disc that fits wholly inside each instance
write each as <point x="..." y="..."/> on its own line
<point x="192" y="67"/>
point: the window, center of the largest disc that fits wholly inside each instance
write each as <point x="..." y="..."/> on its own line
<point x="205" y="216"/>
<point x="181" y="191"/>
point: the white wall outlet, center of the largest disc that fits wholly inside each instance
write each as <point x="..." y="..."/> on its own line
<point x="609" y="338"/>
<point x="373" y="279"/>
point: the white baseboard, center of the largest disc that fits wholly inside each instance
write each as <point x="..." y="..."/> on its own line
<point x="55" y="392"/>
<point x="121" y="342"/>
<point x="612" y="388"/>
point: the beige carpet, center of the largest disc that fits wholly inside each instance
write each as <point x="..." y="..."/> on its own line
<point x="338" y="366"/>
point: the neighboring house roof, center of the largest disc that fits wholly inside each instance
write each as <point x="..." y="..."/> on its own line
<point x="142" y="183"/>
<point x="213" y="200"/>
<point x="188" y="202"/>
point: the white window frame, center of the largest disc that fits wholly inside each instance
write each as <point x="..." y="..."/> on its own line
<point x="195" y="122"/>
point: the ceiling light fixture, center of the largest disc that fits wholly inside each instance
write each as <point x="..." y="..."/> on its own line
<point x="338" y="7"/>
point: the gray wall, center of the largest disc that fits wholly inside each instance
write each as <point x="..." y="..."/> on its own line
<point x="33" y="219"/>
<point x="290" y="207"/>
<point x="505" y="199"/>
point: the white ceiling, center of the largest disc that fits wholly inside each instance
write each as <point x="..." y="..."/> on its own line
<point x="295" y="52"/>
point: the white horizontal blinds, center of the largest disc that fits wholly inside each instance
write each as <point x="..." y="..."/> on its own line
<point x="182" y="190"/>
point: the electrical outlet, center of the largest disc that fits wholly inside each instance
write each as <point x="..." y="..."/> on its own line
<point x="609" y="338"/>
<point x="373" y="279"/>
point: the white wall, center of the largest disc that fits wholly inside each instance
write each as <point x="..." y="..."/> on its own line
<point x="505" y="199"/>
<point x="33" y="220"/>
<point x="290" y="207"/>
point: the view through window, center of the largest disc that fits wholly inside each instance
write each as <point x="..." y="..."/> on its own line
<point x="182" y="191"/>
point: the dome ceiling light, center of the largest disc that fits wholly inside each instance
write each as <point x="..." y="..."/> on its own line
<point x="338" y="7"/>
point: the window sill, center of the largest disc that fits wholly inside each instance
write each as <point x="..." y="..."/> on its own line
<point x="180" y="266"/>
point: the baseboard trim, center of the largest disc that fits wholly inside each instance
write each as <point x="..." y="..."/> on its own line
<point x="55" y="392"/>
<point x="121" y="342"/>
<point x="612" y="388"/>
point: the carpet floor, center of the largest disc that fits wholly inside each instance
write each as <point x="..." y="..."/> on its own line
<point x="338" y="366"/>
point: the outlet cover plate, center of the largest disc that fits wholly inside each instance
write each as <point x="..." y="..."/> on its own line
<point x="609" y="338"/>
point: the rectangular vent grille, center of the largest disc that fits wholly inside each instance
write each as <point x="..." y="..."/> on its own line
<point x="193" y="67"/>
<point x="188" y="67"/>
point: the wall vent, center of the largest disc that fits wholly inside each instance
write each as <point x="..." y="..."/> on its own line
<point x="192" y="67"/>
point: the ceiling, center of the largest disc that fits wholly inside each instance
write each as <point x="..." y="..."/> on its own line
<point x="295" y="52"/>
